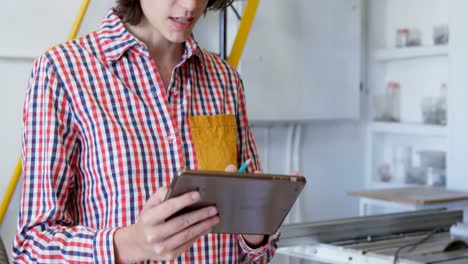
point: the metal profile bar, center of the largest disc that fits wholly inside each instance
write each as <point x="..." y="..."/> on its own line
<point x="223" y="33"/>
<point x="78" y="20"/>
<point x="236" y="12"/>
<point x="243" y="32"/>
<point x="17" y="172"/>
<point x="368" y="228"/>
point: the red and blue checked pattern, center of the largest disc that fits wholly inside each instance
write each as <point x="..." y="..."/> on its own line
<point x="102" y="134"/>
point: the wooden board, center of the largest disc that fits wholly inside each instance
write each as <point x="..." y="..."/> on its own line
<point x="413" y="195"/>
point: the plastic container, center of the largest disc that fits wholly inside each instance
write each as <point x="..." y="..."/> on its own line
<point x="428" y="110"/>
<point x="441" y="34"/>
<point x="414" y="38"/>
<point x="434" y="163"/>
<point x="416" y="175"/>
<point x="384" y="173"/>
<point x="394" y="93"/>
<point x="401" y="39"/>
<point x="432" y="159"/>
<point x="434" y="109"/>
<point x="441" y="105"/>
<point x="436" y="177"/>
<point x="387" y="106"/>
<point x="382" y="108"/>
<point x="401" y="162"/>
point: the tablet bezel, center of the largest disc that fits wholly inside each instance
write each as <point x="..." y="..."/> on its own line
<point x="226" y="190"/>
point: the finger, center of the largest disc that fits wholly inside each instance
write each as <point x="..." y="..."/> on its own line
<point x="156" y="199"/>
<point x="185" y="221"/>
<point x="258" y="172"/>
<point x="295" y="173"/>
<point x="180" y="239"/>
<point x="167" y="208"/>
<point x="187" y="245"/>
<point x="161" y="194"/>
<point x="178" y="251"/>
<point x="230" y="168"/>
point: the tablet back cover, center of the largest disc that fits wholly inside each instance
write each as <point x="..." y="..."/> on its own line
<point x="247" y="203"/>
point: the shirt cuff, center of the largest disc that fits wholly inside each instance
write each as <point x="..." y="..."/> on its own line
<point x="103" y="245"/>
<point x="254" y="252"/>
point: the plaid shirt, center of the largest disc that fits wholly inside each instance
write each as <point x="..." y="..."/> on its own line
<point x="102" y="134"/>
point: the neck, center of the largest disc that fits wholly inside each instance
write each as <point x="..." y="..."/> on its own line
<point x="160" y="48"/>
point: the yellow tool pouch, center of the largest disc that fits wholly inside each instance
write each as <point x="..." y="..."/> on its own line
<point x="215" y="140"/>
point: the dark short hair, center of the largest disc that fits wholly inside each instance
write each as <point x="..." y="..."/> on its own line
<point x="130" y="10"/>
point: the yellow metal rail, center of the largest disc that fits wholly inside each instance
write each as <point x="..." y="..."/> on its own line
<point x="17" y="173"/>
<point x="243" y="32"/>
<point x="78" y="20"/>
<point x="233" y="59"/>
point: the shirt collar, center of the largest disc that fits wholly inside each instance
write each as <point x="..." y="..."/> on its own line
<point x="116" y="40"/>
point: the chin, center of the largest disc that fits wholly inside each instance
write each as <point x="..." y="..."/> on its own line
<point x="178" y="38"/>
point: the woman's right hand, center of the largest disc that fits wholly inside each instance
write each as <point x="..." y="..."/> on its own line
<point x="153" y="238"/>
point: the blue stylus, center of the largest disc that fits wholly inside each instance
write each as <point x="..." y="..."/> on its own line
<point x="244" y="166"/>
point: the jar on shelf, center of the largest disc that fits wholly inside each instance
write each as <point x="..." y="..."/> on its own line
<point x="387" y="106"/>
<point x="401" y="162"/>
<point x="434" y="109"/>
<point x="414" y="38"/>
<point x="401" y="37"/>
<point x="441" y="105"/>
<point x="393" y="94"/>
<point x="441" y="34"/>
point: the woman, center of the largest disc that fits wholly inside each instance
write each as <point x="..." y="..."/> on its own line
<point x="109" y="119"/>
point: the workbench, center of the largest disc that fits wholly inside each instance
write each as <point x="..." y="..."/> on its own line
<point x="376" y="239"/>
<point x="410" y="199"/>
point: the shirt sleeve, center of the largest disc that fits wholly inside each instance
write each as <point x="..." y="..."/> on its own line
<point x="247" y="149"/>
<point x="46" y="229"/>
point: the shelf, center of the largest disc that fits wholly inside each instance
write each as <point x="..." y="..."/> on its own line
<point x="411" y="53"/>
<point x="408" y="129"/>
<point x="18" y="56"/>
<point x="385" y="185"/>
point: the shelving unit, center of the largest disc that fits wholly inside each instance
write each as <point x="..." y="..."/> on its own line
<point x="420" y="70"/>
<point x="408" y="129"/>
<point x="385" y="55"/>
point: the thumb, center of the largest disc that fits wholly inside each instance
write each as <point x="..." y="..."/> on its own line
<point x="230" y="168"/>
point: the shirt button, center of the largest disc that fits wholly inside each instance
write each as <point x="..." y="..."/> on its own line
<point x="170" y="138"/>
<point x="175" y="91"/>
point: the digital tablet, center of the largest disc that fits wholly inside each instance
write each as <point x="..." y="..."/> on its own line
<point x="247" y="203"/>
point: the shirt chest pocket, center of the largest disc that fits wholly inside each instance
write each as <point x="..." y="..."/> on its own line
<point x="215" y="141"/>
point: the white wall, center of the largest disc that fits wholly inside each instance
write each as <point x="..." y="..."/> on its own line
<point x="331" y="158"/>
<point x="458" y="107"/>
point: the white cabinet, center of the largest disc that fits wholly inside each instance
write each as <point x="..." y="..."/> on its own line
<point x="302" y="60"/>
<point x="408" y="152"/>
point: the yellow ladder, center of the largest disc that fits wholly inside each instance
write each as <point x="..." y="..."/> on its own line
<point x="233" y="59"/>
